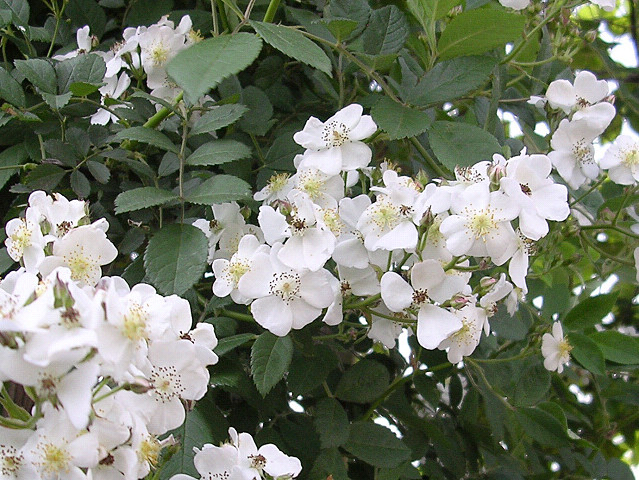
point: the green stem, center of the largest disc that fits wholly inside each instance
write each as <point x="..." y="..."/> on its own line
<point x="236" y="315"/>
<point x="429" y="160"/>
<point x="223" y="18"/>
<point x="596" y="247"/>
<point x="524" y="353"/>
<point x="370" y="300"/>
<point x="623" y="231"/>
<point x="270" y="11"/>
<point x="588" y="192"/>
<point x="12" y="409"/>
<point x="398" y="382"/>
<point x="164" y="112"/>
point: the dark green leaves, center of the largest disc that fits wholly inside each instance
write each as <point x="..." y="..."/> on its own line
<point x="218" y="117"/>
<point x="617" y="347"/>
<point x="140" y="198"/>
<point x="589" y="312"/>
<point x="451" y="79"/>
<point x="147" y="135"/>
<point x="201" y="67"/>
<point x="270" y="358"/>
<point x="376" y="445"/>
<point x="292" y="43"/>
<point x="398" y="120"/>
<point x="478" y="31"/>
<point x="219" y="189"/>
<point x="363" y="382"/>
<point x="386" y="31"/>
<point x="542" y="427"/>
<point x="587" y="353"/>
<point x="39" y="72"/>
<point x="10" y="89"/>
<point x="12" y="156"/>
<point x="86" y="69"/>
<point x="331" y="422"/>
<point x="218" y="152"/>
<point x="461" y="143"/>
<point x="175" y="258"/>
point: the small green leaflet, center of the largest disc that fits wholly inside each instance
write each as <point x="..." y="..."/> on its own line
<point x="462" y="144"/>
<point x="376" y="445"/>
<point x="175" y="258"/>
<point x="202" y="66"/>
<point x="218" y="117"/>
<point x="398" y="120"/>
<point x="143" y="197"/>
<point x="270" y="358"/>
<point x="218" y="152"/>
<point x="147" y="135"/>
<point x="478" y="31"/>
<point x="292" y="43"/>
<point x="219" y="189"/>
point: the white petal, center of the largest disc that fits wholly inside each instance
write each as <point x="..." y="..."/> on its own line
<point x="396" y="292"/>
<point x="434" y="324"/>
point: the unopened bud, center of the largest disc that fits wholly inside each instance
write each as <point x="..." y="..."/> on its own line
<point x="565" y="16"/>
<point x="459" y="302"/>
<point x="591" y="36"/>
<point x="487" y="282"/>
<point x="139" y="385"/>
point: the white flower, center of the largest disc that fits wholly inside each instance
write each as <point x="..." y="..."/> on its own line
<point x="480" y="225"/>
<point x="285" y="298"/>
<point x="464" y="341"/>
<point x="518" y="266"/>
<point x="83" y="250"/>
<point x="13" y="465"/>
<point x="335" y="145"/>
<point x="114" y="88"/>
<point x="228" y="273"/>
<point x="267" y="458"/>
<point x="384" y="330"/>
<point x="434" y="323"/>
<point x="528" y="185"/>
<point x="84" y="41"/>
<point x="622" y="160"/>
<point x="276" y="188"/>
<point x="587" y="90"/>
<point x="555" y="349"/>
<point x="574" y="155"/>
<point x="25" y="240"/>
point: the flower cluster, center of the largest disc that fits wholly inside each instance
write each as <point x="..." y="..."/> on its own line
<point x="108" y="367"/>
<point x="241" y="459"/>
<point x="409" y="247"/>
<point x="143" y="53"/>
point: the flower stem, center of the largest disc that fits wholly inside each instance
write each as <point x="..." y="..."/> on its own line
<point x="270" y="11"/>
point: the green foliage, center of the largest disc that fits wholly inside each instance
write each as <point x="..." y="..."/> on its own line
<point x="143" y="197"/>
<point x="399" y="121"/>
<point x="270" y="359"/>
<point x="175" y="258"/>
<point x="461" y="144"/>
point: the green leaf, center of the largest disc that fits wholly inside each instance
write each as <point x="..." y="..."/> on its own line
<point x="308" y="372"/>
<point x="45" y="177"/>
<point x="86" y="68"/>
<point x="451" y="79"/>
<point x="257" y="121"/>
<point x="227" y="344"/>
<point x="144" y="197"/>
<point x="175" y="258"/>
<point x="341" y="28"/>
<point x="292" y="43"/>
<point x="99" y="171"/>
<point x="218" y="117"/>
<point x="532" y="386"/>
<point x="147" y="135"/>
<point x="219" y="189"/>
<point x="398" y="120"/>
<point x="14" y="155"/>
<point x="386" y="31"/>
<point x="363" y="382"/>
<point x="10" y="89"/>
<point x="218" y="152"/>
<point x="201" y="67"/>
<point x="19" y="10"/>
<point x="477" y="31"/>
<point x="56" y="102"/>
<point x="589" y="312"/>
<point x="376" y="445"/>
<point x="39" y="72"/>
<point x="81" y="89"/>
<point x="587" y="353"/>
<point x="431" y="10"/>
<point x="461" y="144"/>
<point x="542" y="427"/>
<point x="270" y="357"/>
<point x="80" y="184"/>
<point x="329" y="464"/>
<point x="617" y="347"/>
<point x="331" y="422"/>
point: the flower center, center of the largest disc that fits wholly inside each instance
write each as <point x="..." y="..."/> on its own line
<point x="385" y="214"/>
<point x="420" y="296"/>
<point x="285" y="285"/>
<point x="311" y="184"/>
<point x="482" y="223"/>
<point x="630" y="158"/>
<point x="335" y="134"/>
<point x="525" y="189"/>
<point x="159" y="54"/>
<point x="80" y="265"/>
<point x="149" y="451"/>
<point x="258" y="462"/>
<point x="55" y="460"/>
<point x="21" y="239"/>
<point x="583" y="152"/>
<point x="278" y="182"/>
<point x="134" y="323"/>
<point x="332" y="221"/>
<point x="11" y="462"/>
<point x="235" y="269"/>
<point x="166" y="382"/>
<point x="564" y="350"/>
